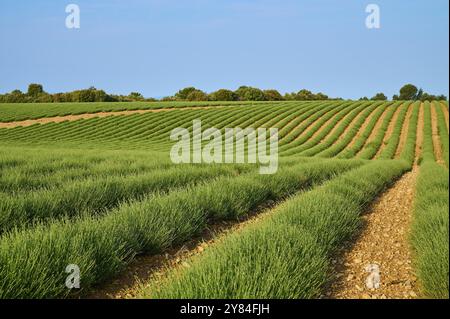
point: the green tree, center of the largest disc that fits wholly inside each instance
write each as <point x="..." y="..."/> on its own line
<point x="35" y="89"/>
<point x="246" y="93"/>
<point x="272" y="95"/>
<point x="379" y="97"/>
<point x="136" y="96"/>
<point x="320" y="96"/>
<point x="183" y="93"/>
<point x="408" y="92"/>
<point x="223" y="95"/>
<point x="197" y="95"/>
<point x="304" y="95"/>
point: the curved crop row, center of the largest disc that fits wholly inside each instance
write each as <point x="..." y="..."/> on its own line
<point x="317" y="133"/>
<point x="372" y="147"/>
<point x="334" y="133"/>
<point x="389" y="150"/>
<point x="443" y="132"/>
<point x="353" y="129"/>
<point x="360" y="141"/>
<point x="102" y="246"/>
<point x="288" y="254"/>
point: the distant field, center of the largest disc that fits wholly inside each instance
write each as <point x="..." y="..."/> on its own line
<point x="99" y="192"/>
<point x="25" y="111"/>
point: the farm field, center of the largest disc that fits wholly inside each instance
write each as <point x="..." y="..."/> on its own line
<point x="93" y="185"/>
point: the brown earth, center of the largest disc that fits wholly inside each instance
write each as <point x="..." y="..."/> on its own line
<point x="383" y="240"/>
<point x="436" y="139"/>
<point x="59" y="119"/>
<point x="404" y="133"/>
<point x="389" y="131"/>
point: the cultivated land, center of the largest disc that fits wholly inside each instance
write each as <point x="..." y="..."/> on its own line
<point x="358" y="183"/>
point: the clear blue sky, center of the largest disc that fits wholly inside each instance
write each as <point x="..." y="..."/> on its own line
<point x="159" y="46"/>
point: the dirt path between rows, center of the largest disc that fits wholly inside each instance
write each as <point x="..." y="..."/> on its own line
<point x="436" y="139"/>
<point x="383" y="241"/>
<point x="404" y="132"/>
<point x="144" y="268"/>
<point x="389" y="131"/>
<point x="59" y="119"/>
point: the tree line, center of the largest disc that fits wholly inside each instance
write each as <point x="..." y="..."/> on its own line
<point x="409" y="92"/>
<point x="36" y="94"/>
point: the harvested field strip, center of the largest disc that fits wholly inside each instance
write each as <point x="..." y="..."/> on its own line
<point x="59" y="119"/>
<point x="291" y="249"/>
<point x="10" y="112"/>
<point x="101" y="247"/>
<point x="384" y="242"/>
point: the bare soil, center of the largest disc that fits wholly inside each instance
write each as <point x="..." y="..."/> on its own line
<point x="383" y="240"/>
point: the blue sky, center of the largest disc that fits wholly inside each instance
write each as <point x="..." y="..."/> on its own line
<point x="159" y="46"/>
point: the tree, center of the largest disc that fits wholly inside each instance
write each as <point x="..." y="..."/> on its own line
<point x="35" y="89"/>
<point x="304" y="95"/>
<point x="408" y="92"/>
<point x="223" y="95"/>
<point x="365" y="98"/>
<point x="197" y="95"/>
<point x="419" y="95"/>
<point x="320" y="96"/>
<point x="183" y="93"/>
<point x="272" y="95"/>
<point x="379" y="97"/>
<point x="395" y="97"/>
<point x="136" y="96"/>
<point x="246" y="93"/>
